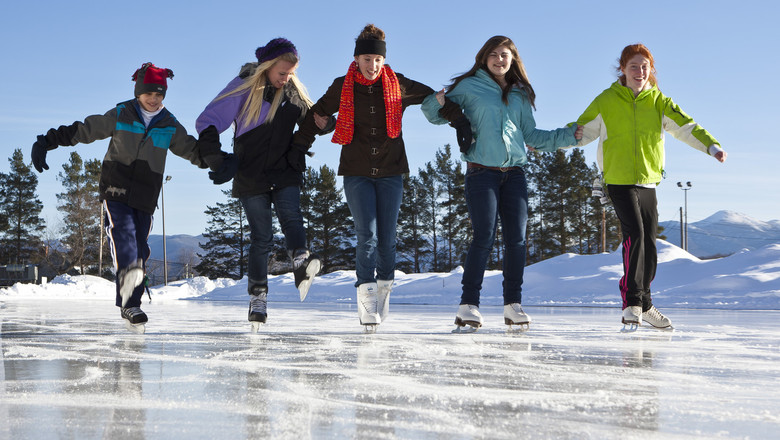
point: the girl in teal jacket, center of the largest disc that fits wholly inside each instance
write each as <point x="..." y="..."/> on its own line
<point x="629" y="118"/>
<point x="496" y="98"/>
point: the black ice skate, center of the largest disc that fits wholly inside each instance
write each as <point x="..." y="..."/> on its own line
<point x="305" y="267"/>
<point x="258" y="300"/>
<point x="135" y="319"/>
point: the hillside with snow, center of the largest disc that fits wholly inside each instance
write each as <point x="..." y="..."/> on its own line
<point x="745" y="280"/>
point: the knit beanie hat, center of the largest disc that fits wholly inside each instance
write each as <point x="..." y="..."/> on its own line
<point x="275" y="48"/>
<point x="150" y="78"/>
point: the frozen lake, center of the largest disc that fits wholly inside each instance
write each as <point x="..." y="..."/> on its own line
<point x="71" y="370"/>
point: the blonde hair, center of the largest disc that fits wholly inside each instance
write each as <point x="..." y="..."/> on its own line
<point x="257" y="83"/>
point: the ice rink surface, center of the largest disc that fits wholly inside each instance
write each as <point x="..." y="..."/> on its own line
<point x="70" y="370"/>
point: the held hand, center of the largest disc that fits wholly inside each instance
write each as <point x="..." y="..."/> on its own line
<point x="227" y="170"/>
<point x="321" y="121"/>
<point x="440" y="97"/>
<point x="578" y="133"/>
<point x="721" y="156"/>
<point x="39" y="149"/>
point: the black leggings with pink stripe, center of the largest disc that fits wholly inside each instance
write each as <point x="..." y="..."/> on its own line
<point x="637" y="210"/>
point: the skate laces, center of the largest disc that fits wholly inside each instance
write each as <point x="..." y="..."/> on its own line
<point x="300" y="258"/>
<point x="517" y="308"/>
<point x="654" y="314"/>
<point x="257" y="303"/>
<point x="369" y="301"/>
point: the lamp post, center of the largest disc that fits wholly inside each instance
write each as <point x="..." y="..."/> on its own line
<point x="686" y="188"/>
<point x="165" y="248"/>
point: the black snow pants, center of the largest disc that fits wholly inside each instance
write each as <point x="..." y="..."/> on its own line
<point x="637" y="210"/>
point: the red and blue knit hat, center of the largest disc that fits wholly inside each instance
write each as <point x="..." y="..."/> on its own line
<point x="275" y="48"/>
<point x="150" y="78"/>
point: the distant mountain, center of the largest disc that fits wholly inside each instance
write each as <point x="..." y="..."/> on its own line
<point x="724" y="233"/>
<point x="179" y="247"/>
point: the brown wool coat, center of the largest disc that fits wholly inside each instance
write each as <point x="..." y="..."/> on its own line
<point x="371" y="153"/>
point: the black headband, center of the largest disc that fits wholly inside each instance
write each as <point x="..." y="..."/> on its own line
<point x="366" y="46"/>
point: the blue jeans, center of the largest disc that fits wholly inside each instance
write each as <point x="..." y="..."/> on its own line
<point x="374" y="204"/>
<point x="128" y="231"/>
<point x="492" y="195"/>
<point x="287" y="203"/>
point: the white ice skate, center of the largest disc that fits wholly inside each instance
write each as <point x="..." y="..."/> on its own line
<point x="384" y="287"/>
<point x="514" y="315"/>
<point x="468" y="319"/>
<point x="135" y="319"/>
<point x="657" y="319"/>
<point x="258" y="301"/>
<point x="632" y="318"/>
<point x="368" y="312"/>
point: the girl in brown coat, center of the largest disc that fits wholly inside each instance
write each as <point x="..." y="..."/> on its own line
<point x="370" y="101"/>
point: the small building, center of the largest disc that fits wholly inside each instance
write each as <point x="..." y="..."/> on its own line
<point x="18" y="273"/>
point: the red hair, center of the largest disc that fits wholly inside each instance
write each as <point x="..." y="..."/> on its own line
<point x="629" y="52"/>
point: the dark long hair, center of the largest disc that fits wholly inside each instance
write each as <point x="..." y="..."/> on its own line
<point x="515" y="76"/>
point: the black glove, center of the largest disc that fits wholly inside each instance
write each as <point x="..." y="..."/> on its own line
<point x="463" y="132"/>
<point x="39" y="149"/>
<point x="296" y="157"/>
<point x="209" y="148"/>
<point x="227" y="170"/>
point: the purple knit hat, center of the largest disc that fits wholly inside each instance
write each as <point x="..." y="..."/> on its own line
<point x="275" y="48"/>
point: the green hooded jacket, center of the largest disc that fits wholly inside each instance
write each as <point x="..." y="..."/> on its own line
<point x="631" y="133"/>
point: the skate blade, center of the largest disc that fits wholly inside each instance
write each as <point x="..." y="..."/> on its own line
<point x="312" y="270"/>
<point x="256" y="326"/>
<point x="521" y="327"/>
<point x="629" y="327"/>
<point x="138" y="329"/>
<point x="370" y="328"/>
<point x="465" y="329"/>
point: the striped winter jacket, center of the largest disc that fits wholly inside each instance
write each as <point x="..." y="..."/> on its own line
<point x="132" y="170"/>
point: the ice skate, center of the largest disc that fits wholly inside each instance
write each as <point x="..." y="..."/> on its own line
<point x="130" y="278"/>
<point x="367" y="306"/>
<point x="514" y="315"/>
<point x="258" y="300"/>
<point x="305" y="267"/>
<point x="135" y="319"/>
<point x="384" y="287"/>
<point x="632" y="318"/>
<point x="657" y="319"/>
<point x="468" y="319"/>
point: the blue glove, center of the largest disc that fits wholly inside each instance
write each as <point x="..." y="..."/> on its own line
<point x="227" y="170"/>
<point x="39" y="149"/>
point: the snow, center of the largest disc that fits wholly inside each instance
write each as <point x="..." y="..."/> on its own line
<point x="71" y="370"/>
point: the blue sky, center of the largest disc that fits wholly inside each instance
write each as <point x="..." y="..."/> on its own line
<point x="66" y="60"/>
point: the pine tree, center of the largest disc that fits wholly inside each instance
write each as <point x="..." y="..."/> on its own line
<point x="429" y="191"/>
<point x="454" y="222"/>
<point x="227" y="248"/>
<point x="20" y="207"/>
<point x="411" y="247"/>
<point x="582" y="221"/>
<point x="81" y="209"/>
<point x="329" y="223"/>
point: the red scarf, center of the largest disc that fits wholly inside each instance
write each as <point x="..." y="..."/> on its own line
<point x="345" y="124"/>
